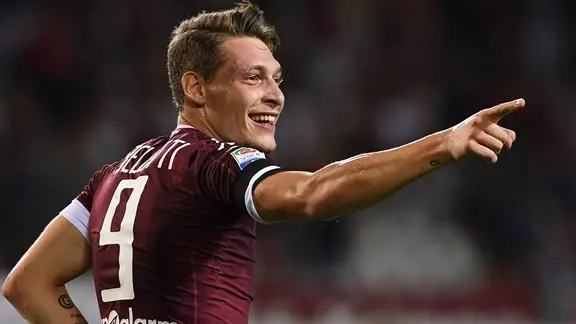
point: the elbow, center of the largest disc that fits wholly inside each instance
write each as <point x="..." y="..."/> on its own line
<point x="318" y="204"/>
<point x="313" y="212"/>
<point x="319" y="210"/>
<point x="11" y="290"/>
<point x="17" y="289"/>
<point x="298" y="197"/>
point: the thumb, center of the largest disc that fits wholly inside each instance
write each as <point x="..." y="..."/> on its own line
<point x="496" y="113"/>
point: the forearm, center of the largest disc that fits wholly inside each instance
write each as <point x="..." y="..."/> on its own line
<point x="36" y="285"/>
<point x="48" y="306"/>
<point x="348" y="185"/>
<point x="361" y="181"/>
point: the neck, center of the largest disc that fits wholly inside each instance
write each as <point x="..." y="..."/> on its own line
<point x="196" y="119"/>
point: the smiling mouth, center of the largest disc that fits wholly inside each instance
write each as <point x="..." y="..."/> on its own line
<point x="264" y="119"/>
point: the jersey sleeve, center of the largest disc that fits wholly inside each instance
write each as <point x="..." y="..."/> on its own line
<point x="230" y="176"/>
<point x="78" y="211"/>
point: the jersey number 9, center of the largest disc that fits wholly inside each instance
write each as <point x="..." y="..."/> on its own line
<point x="123" y="238"/>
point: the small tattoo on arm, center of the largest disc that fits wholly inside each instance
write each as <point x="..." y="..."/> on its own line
<point x="79" y="318"/>
<point x="435" y="162"/>
<point x="65" y="302"/>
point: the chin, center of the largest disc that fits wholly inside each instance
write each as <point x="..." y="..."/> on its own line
<point x="265" y="145"/>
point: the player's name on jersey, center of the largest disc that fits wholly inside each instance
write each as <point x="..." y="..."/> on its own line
<point x="164" y="157"/>
<point x="114" y="318"/>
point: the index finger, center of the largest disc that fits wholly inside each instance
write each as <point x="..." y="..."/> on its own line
<point x="504" y="109"/>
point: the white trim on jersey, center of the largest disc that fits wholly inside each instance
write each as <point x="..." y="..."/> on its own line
<point x="248" y="196"/>
<point x="78" y="215"/>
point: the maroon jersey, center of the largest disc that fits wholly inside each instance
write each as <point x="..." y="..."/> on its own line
<point x="172" y="230"/>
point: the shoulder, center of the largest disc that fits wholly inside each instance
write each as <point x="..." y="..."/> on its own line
<point x="243" y="156"/>
<point x="103" y="172"/>
<point x="238" y="157"/>
<point x="211" y="157"/>
<point x="231" y="155"/>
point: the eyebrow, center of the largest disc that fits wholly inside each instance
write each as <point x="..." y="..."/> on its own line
<point x="263" y="68"/>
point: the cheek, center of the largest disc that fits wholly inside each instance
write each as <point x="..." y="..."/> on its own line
<point x="233" y="102"/>
<point x="243" y="102"/>
<point x="222" y="103"/>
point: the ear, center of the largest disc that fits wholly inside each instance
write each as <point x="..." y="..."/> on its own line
<point x="193" y="88"/>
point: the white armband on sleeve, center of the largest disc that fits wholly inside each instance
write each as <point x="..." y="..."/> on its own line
<point x="78" y="215"/>
<point x="249" y="197"/>
<point x="251" y="174"/>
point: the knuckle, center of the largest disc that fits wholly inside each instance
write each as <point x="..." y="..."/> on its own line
<point x="476" y="121"/>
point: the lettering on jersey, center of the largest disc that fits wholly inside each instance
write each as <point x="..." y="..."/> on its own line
<point x="246" y="155"/>
<point x="223" y="144"/>
<point x="167" y="152"/>
<point x="137" y="154"/>
<point x="114" y="318"/>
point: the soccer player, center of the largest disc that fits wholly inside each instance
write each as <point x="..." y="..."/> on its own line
<point x="169" y="230"/>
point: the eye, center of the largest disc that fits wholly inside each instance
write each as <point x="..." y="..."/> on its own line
<point x="253" y="78"/>
<point x="278" y="80"/>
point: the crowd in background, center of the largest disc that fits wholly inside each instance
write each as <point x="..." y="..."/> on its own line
<point x="82" y="82"/>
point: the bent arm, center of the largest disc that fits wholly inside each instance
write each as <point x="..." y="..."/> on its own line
<point x="348" y="185"/>
<point x="36" y="285"/>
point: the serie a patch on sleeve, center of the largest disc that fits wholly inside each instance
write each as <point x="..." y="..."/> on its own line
<point x="246" y="155"/>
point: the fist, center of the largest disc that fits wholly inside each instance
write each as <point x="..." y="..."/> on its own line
<point x="481" y="135"/>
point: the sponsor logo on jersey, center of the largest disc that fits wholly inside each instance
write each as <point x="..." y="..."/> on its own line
<point x="245" y="156"/>
<point x="114" y="318"/>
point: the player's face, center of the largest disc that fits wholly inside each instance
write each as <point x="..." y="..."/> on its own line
<point x="244" y="101"/>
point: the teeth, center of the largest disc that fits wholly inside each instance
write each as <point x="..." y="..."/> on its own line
<point x="264" y="118"/>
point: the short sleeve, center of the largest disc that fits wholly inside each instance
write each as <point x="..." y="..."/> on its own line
<point x="78" y="211"/>
<point x="231" y="174"/>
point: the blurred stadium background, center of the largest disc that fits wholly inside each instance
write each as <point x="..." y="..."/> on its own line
<point x="82" y="82"/>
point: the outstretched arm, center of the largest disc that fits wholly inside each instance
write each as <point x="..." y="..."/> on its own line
<point x="36" y="285"/>
<point x="363" y="180"/>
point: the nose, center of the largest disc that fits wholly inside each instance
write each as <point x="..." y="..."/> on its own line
<point x="274" y="97"/>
